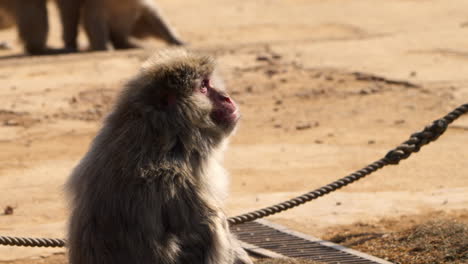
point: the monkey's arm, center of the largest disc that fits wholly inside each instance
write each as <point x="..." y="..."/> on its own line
<point x="69" y="11"/>
<point x="188" y="222"/>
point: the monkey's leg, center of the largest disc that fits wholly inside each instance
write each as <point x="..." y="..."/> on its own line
<point x="120" y="37"/>
<point x="7" y="13"/>
<point x="121" y="24"/>
<point x="241" y="256"/>
<point x="70" y="17"/>
<point x="95" y="24"/>
<point x="157" y="26"/>
<point x="33" y="25"/>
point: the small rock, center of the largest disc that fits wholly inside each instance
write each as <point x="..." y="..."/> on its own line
<point x="370" y="142"/>
<point x="8" y="210"/>
<point x="278" y="102"/>
<point x="271" y="72"/>
<point x="249" y="89"/>
<point x="11" y="122"/>
<point x="262" y="58"/>
<point x="276" y="56"/>
<point x="399" y="122"/>
<point x="4" y="45"/>
<point x="318" y="141"/>
<point x="303" y="126"/>
<point x="363" y="92"/>
<point x="416" y="249"/>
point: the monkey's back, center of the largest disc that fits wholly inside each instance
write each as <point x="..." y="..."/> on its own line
<point x="138" y="212"/>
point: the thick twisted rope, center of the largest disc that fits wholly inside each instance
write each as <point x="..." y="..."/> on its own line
<point x="31" y="242"/>
<point x="403" y="151"/>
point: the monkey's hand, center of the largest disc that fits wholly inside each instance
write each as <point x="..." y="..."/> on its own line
<point x="241" y="256"/>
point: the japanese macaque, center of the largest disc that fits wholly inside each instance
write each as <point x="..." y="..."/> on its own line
<point x="105" y="22"/>
<point x="112" y="21"/>
<point x="151" y="187"/>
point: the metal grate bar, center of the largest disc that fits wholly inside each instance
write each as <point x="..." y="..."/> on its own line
<point x="265" y="239"/>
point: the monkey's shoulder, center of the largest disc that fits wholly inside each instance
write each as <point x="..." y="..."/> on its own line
<point x="164" y="175"/>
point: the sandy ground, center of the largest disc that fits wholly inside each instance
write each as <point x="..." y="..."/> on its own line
<point x="294" y="67"/>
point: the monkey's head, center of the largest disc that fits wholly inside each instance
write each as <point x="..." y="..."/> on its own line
<point x="180" y="93"/>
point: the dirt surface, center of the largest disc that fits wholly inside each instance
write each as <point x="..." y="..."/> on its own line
<point x="325" y="87"/>
<point x="434" y="237"/>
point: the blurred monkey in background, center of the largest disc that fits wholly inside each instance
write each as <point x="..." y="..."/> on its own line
<point x="105" y="22"/>
<point x="115" y="21"/>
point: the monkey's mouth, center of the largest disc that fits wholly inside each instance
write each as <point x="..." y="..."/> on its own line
<point x="235" y="116"/>
<point x="226" y="118"/>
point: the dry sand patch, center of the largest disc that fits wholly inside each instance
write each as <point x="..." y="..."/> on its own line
<point x="325" y="87"/>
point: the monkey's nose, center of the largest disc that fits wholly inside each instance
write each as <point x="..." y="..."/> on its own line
<point x="226" y="99"/>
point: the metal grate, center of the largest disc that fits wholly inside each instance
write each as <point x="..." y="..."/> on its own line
<point x="265" y="239"/>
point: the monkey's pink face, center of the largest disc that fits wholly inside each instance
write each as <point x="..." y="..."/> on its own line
<point x="224" y="110"/>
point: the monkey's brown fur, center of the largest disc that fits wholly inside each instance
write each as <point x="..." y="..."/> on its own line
<point x="150" y="189"/>
<point x="115" y="21"/>
<point x="6" y="15"/>
<point x="105" y="21"/>
<point x="31" y="20"/>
